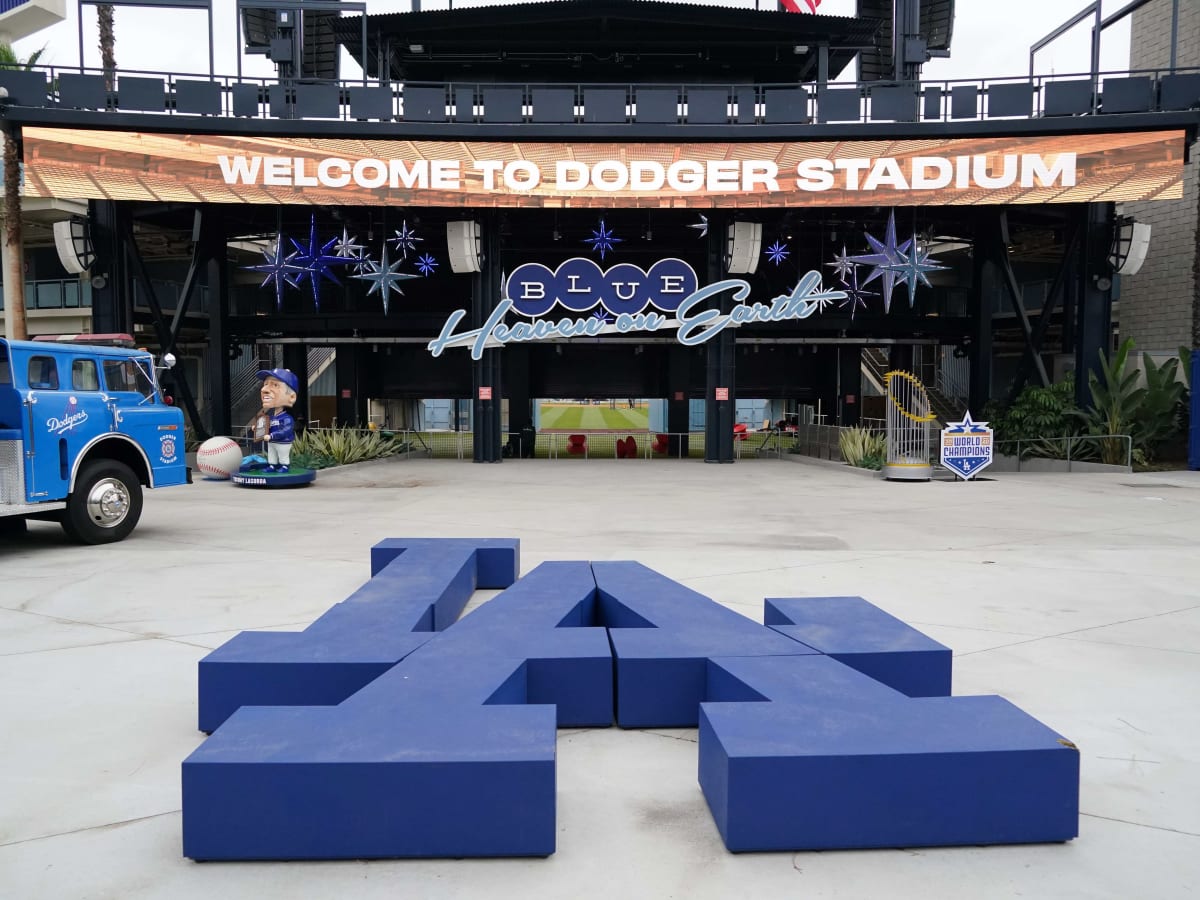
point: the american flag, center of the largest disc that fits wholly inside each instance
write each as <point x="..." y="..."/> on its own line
<point x="794" y="5"/>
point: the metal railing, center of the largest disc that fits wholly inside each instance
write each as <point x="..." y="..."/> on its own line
<point x="1073" y="450"/>
<point x="678" y="103"/>
<point x="56" y="293"/>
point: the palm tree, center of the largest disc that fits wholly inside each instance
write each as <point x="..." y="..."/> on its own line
<point x="14" y="250"/>
<point x="108" y="41"/>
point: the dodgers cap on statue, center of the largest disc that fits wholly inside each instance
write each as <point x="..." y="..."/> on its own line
<point x="287" y="376"/>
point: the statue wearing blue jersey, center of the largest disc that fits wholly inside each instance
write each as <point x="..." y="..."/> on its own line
<point x="278" y="394"/>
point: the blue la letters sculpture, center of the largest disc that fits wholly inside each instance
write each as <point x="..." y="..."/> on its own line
<point x="389" y="729"/>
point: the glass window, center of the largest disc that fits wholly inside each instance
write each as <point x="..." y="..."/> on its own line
<point x="127" y="375"/>
<point x="43" y="373"/>
<point x="71" y="294"/>
<point x="84" y="376"/>
<point x="49" y="295"/>
<point x="5" y="374"/>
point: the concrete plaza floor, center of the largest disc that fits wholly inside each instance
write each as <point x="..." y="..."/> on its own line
<point x="1075" y="596"/>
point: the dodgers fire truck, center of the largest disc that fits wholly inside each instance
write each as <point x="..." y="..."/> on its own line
<point x="82" y="428"/>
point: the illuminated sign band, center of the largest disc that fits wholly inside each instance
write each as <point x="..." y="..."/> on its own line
<point x="336" y="172"/>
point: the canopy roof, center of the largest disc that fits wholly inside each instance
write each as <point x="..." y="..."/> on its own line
<point x="605" y="40"/>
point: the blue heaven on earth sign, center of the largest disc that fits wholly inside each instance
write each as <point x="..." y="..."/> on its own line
<point x="625" y="298"/>
<point x="966" y="447"/>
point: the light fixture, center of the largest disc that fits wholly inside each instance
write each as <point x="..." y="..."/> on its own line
<point x="416" y="48"/>
<point x="800" y="49"/>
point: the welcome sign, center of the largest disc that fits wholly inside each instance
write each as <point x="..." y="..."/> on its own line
<point x="117" y="165"/>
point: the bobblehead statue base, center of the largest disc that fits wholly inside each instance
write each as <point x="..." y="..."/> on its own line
<point x="275" y="428"/>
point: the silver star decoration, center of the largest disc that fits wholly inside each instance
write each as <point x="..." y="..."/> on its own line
<point x="913" y="269"/>
<point x="405" y="240"/>
<point x="841" y="265"/>
<point x="385" y="278"/>
<point x="348" y="248"/>
<point x="701" y="226"/>
<point x="886" y="257"/>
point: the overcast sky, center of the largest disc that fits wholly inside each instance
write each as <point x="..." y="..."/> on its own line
<point x="989" y="39"/>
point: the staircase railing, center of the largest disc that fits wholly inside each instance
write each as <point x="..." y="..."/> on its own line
<point x="244" y="388"/>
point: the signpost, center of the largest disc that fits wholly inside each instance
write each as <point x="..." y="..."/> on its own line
<point x="966" y="447"/>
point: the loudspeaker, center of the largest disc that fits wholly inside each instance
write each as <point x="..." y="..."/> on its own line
<point x="73" y="242"/>
<point x="742" y="243"/>
<point x="1130" y="247"/>
<point x="462" y="244"/>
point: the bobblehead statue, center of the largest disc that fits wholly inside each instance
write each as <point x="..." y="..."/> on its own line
<point x="278" y="394"/>
<point x="275" y="427"/>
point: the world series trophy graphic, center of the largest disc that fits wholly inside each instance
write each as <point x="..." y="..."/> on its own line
<point x="275" y="428"/>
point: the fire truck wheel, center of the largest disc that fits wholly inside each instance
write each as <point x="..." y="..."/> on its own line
<point x="105" y="505"/>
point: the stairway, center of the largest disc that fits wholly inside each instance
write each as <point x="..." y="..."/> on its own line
<point x="875" y="366"/>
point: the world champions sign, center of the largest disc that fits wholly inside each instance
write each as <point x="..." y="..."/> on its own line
<point x="115" y="165"/>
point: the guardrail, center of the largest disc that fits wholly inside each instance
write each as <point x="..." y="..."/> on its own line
<point x="1076" y="452"/>
<point x="1011" y="97"/>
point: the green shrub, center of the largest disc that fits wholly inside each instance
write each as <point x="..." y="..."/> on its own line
<point x="873" y="461"/>
<point x="860" y="446"/>
<point x="1037" y="412"/>
<point x="320" y="448"/>
<point x="1157" y="417"/>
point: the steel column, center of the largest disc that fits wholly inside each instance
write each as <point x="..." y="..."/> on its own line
<point x="485" y="372"/>
<point x="213" y="251"/>
<point x="1094" y="322"/>
<point x="721" y="369"/>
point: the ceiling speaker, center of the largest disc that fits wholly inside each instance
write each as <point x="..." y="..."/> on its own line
<point x="742" y="242"/>
<point x="462" y="244"/>
<point x="73" y="241"/>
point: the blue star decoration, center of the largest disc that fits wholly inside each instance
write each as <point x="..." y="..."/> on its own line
<point x="701" y="226"/>
<point x="405" y="240"/>
<point x="884" y="259"/>
<point x="602" y="239"/>
<point x="385" y="278"/>
<point x="279" y="269"/>
<point x="967" y="426"/>
<point x="602" y="315"/>
<point x="426" y="265"/>
<point x="314" y="261"/>
<point x="913" y="268"/>
<point x="777" y="252"/>
<point x="856" y="297"/>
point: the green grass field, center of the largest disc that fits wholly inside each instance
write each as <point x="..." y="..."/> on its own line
<point x="587" y="417"/>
